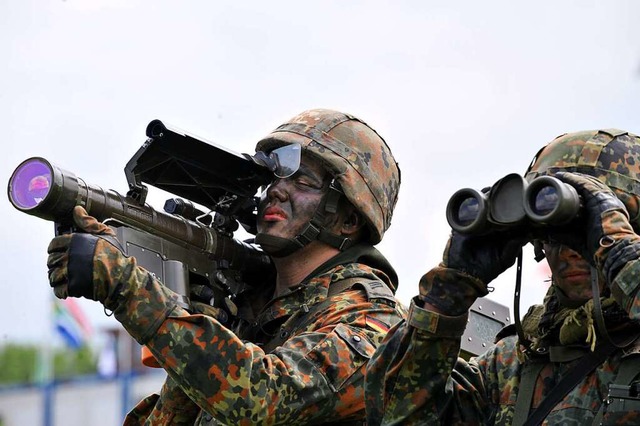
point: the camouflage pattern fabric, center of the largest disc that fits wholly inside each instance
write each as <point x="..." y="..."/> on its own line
<point x="416" y="378"/>
<point x="171" y="407"/>
<point x="315" y="377"/>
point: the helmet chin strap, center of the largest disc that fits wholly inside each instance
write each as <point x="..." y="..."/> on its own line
<point x="314" y="230"/>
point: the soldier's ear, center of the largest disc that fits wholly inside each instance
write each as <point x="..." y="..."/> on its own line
<point x="352" y="223"/>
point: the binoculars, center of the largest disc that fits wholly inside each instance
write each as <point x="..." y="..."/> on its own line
<point x="512" y="201"/>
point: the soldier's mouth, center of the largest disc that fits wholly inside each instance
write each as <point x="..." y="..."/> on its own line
<point x="274" y="214"/>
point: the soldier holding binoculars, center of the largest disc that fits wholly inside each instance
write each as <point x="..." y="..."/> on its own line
<point x="572" y="359"/>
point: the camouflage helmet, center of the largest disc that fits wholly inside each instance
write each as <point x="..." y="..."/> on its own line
<point x="611" y="155"/>
<point x="354" y="154"/>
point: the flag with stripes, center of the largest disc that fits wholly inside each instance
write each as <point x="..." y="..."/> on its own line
<point x="70" y="322"/>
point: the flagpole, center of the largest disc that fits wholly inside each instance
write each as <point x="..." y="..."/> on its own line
<point x="46" y="383"/>
<point x="45" y="375"/>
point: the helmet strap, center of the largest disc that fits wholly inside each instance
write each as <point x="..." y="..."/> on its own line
<point x="314" y="230"/>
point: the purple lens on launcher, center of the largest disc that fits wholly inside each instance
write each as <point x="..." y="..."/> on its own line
<point x="30" y="184"/>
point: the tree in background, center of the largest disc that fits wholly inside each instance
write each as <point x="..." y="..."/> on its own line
<point x="20" y="363"/>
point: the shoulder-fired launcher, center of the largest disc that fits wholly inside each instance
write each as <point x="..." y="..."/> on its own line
<point x="182" y="246"/>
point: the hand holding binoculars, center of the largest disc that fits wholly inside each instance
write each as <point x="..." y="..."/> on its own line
<point x="512" y="201"/>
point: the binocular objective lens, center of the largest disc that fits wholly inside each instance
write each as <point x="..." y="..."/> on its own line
<point x="546" y="200"/>
<point x="30" y="184"/>
<point x="468" y="211"/>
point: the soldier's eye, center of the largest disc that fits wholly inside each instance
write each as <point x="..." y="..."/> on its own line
<point x="308" y="182"/>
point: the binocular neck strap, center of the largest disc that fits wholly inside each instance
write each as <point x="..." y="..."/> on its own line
<point x="516" y="305"/>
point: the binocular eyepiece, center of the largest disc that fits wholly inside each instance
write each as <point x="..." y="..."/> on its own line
<point x="511" y="201"/>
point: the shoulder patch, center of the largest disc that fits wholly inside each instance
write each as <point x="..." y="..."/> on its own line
<point x="377" y="291"/>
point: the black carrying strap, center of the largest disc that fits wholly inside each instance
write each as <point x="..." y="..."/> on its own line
<point x="522" y="338"/>
<point x="585" y="366"/>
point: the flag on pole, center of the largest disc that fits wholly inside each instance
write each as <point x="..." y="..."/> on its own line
<point x="70" y="322"/>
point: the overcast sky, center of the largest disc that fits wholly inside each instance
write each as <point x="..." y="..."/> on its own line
<point x="464" y="92"/>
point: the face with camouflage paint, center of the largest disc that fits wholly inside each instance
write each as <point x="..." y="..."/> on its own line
<point x="571" y="272"/>
<point x="356" y="155"/>
<point x="287" y="205"/>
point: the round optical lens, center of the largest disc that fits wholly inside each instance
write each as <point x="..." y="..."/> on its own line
<point x="468" y="211"/>
<point x="30" y="184"/>
<point x="546" y="201"/>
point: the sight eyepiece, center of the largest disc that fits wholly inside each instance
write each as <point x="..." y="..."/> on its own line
<point x="467" y="211"/>
<point x="512" y="201"/>
<point x="549" y="201"/>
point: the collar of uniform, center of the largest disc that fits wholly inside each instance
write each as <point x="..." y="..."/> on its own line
<point x="313" y="291"/>
<point x="361" y="253"/>
<point x="292" y="301"/>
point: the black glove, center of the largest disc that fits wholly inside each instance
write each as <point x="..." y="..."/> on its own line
<point x="469" y="263"/>
<point x="93" y="265"/>
<point x="483" y="257"/>
<point x="82" y="264"/>
<point x="609" y="241"/>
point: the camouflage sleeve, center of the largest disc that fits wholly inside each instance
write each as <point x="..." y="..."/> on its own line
<point x="416" y="377"/>
<point x="171" y="408"/>
<point x="138" y="415"/>
<point x="314" y="375"/>
<point x="625" y="288"/>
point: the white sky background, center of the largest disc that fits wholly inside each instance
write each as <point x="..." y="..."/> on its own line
<point x="464" y="93"/>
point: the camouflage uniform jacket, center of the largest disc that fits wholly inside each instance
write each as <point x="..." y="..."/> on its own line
<point x="316" y="376"/>
<point x="416" y="378"/>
